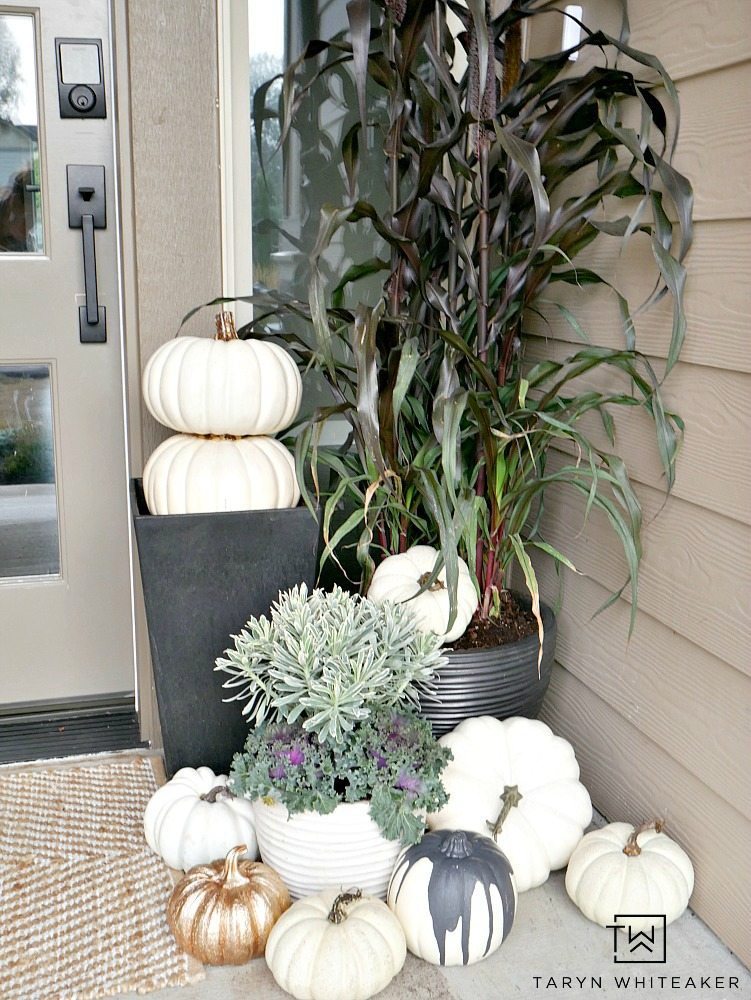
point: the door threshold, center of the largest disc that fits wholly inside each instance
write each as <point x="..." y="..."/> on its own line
<point x="65" y="729"/>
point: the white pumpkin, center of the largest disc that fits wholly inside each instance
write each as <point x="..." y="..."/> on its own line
<point x="399" y="578"/>
<point x="192" y="475"/>
<point x="455" y="897"/>
<point x="336" y="946"/>
<point x="619" y="871"/>
<point x="199" y="385"/>
<point x="517" y="782"/>
<point x="195" y="819"/>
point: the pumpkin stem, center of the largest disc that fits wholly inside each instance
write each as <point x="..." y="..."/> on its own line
<point x="511" y="797"/>
<point x="338" y="911"/>
<point x="632" y="849"/>
<point x="225" y="326"/>
<point x="435" y="585"/>
<point x="215" y="792"/>
<point x="456" y="845"/>
<point x="231" y="875"/>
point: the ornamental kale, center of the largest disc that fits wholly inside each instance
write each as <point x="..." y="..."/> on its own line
<point x="390" y="758"/>
<point x="327" y="660"/>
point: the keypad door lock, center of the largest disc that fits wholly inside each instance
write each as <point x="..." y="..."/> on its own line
<point x="80" y="78"/>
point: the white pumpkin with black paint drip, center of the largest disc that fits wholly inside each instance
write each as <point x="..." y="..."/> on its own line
<point x="455" y="896"/>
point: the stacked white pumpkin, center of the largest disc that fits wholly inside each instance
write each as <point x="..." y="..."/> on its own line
<point x="226" y="398"/>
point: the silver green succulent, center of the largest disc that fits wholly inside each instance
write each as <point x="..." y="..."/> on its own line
<point x="328" y="659"/>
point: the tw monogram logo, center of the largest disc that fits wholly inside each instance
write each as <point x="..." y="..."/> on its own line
<point x="642" y="940"/>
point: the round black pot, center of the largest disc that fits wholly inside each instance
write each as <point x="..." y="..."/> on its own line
<point x="501" y="681"/>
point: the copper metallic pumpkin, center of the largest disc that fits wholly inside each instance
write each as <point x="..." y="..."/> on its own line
<point x="222" y="913"/>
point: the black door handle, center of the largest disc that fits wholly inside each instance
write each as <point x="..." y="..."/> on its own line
<point x="87" y="212"/>
<point x="89" y="270"/>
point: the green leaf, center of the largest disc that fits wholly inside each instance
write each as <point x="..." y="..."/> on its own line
<point x="674" y="275"/>
<point x="358" y="13"/>
<point x="532" y="586"/>
<point x="354" y="273"/>
<point x="408" y="362"/>
<point x="523" y="389"/>
<point x="552" y="551"/>
<point x="365" y="354"/>
<point x="525" y="156"/>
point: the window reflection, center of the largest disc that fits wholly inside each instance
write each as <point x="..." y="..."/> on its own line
<point x="20" y="189"/>
<point x="267" y="43"/>
<point x="29" y="543"/>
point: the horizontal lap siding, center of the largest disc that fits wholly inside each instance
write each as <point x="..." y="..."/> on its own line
<point x="690" y="704"/>
<point x="632" y="779"/>
<point x="695" y="575"/>
<point x="717" y="301"/>
<point x="714" y="464"/>
<point x="662" y="721"/>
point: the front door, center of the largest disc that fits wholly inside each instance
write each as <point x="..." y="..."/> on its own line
<point x="65" y="590"/>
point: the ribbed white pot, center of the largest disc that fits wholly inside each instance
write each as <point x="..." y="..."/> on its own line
<point x="343" y="849"/>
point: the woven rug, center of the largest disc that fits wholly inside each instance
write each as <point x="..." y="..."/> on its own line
<point x="82" y="898"/>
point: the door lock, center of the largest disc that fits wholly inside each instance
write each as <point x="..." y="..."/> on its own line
<point x="82" y="98"/>
<point x="87" y="211"/>
<point x="80" y="77"/>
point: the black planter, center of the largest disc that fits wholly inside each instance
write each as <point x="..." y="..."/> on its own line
<point x="203" y="576"/>
<point x="501" y="681"/>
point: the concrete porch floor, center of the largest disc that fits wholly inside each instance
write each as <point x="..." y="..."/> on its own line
<point x="552" y="951"/>
<point x="550" y="939"/>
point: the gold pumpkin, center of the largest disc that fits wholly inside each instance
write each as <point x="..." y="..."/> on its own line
<point x="222" y="913"/>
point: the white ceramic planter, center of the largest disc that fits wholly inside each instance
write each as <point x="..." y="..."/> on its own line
<point x="343" y="849"/>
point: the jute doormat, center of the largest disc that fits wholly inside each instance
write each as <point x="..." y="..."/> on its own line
<point x="82" y="899"/>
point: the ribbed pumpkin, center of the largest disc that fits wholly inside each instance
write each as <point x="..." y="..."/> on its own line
<point x="399" y="578"/>
<point x="518" y="783"/>
<point x="194" y="475"/>
<point x="336" y="946"/>
<point x="195" y="819"/>
<point x="222" y="913"/>
<point x="455" y="896"/>
<point x="618" y="870"/>
<point x="199" y="385"/>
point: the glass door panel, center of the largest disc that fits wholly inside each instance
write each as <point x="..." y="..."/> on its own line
<point x="29" y="533"/>
<point x="21" y="226"/>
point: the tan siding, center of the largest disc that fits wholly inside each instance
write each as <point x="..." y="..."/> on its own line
<point x="661" y="721"/>
<point x="695" y="576"/>
<point x="175" y="152"/>
<point x="669" y="688"/>
<point x="704" y="35"/>
<point x="707" y="35"/>
<point x="715" y="140"/>
<point x="717" y="303"/>
<point x="714" y="466"/>
<point x="633" y="780"/>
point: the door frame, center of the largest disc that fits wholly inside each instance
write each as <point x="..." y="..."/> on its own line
<point x="128" y="268"/>
<point x="165" y="58"/>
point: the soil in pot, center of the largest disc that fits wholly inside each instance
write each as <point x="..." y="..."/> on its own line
<point x="516" y="622"/>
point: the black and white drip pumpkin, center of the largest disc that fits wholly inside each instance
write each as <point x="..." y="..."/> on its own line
<point x="455" y="896"/>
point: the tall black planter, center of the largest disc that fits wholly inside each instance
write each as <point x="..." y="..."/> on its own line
<point x="203" y="576"/>
<point x="502" y="681"/>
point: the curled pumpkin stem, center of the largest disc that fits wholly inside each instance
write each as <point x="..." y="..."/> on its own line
<point x="632" y="849"/>
<point x="338" y="911"/>
<point x="511" y="797"/>
<point x="213" y="793"/>
<point x="231" y="875"/>
<point x="435" y="585"/>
